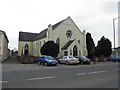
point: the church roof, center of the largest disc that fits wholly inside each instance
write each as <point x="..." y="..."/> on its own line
<point x="55" y="25"/>
<point x="27" y="36"/>
<point x="67" y="44"/>
<point x="42" y="34"/>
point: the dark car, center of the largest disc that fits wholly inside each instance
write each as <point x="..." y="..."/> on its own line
<point x="83" y="60"/>
<point x="115" y="59"/>
<point x="47" y="60"/>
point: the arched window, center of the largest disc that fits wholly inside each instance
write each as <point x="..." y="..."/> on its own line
<point x="75" y="51"/>
<point x="58" y="43"/>
<point x="26" y="49"/>
<point x="79" y="41"/>
<point x="40" y="44"/>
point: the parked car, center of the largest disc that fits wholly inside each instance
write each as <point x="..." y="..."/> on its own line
<point x="69" y="60"/>
<point x="83" y="60"/>
<point x="114" y="59"/>
<point x="47" y="60"/>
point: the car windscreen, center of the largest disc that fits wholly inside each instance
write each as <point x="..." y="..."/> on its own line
<point x="83" y="57"/>
<point x="49" y="57"/>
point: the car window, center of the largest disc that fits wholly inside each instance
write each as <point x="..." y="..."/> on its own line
<point x="49" y="57"/>
<point x="65" y="57"/>
<point x="71" y="57"/>
<point x="83" y="57"/>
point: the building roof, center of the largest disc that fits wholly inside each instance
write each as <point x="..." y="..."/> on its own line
<point x="5" y="35"/>
<point x="55" y="25"/>
<point x="27" y="36"/>
<point x="42" y="34"/>
<point x="67" y="44"/>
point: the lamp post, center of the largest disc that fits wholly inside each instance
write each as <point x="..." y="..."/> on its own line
<point x="114" y="32"/>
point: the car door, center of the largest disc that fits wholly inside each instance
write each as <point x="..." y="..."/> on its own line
<point x="65" y="58"/>
<point x="42" y="60"/>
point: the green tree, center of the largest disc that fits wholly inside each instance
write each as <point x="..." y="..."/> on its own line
<point x="50" y="48"/>
<point x="90" y="46"/>
<point x="104" y="47"/>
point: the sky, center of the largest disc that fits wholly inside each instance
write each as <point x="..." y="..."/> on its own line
<point x="94" y="16"/>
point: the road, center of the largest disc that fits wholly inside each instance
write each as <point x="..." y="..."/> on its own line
<point x="100" y="75"/>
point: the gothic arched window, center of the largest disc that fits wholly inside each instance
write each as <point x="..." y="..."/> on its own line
<point x="58" y="43"/>
<point x="26" y="49"/>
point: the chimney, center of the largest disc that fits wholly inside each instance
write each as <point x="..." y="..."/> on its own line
<point x="49" y="27"/>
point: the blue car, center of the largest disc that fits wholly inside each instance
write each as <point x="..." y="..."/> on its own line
<point x="114" y="59"/>
<point x="47" y="60"/>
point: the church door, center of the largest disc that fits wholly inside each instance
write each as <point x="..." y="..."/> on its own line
<point x="26" y="49"/>
<point x="75" y="51"/>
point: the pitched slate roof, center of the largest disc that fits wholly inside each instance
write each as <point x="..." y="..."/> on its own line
<point x="5" y="35"/>
<point x="27" y="36"/>
<point x="55" y="25"/>
<point x="42" y="34"/>
<point x="67" y="44"/>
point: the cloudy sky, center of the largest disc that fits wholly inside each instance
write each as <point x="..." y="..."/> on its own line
<point x="94" y="16"/>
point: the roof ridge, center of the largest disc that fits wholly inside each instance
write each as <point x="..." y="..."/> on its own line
<point x="27" y="32"/>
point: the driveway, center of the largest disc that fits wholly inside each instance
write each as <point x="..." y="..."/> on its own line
<point x="11" y="60"/>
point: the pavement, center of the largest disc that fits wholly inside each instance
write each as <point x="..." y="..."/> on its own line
<point x="11" y="60"/>
<point x="99" y="75"/>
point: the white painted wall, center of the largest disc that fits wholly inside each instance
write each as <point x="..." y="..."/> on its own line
<point x="4" y="53"/>
<point x="21" y="46"/>
<point x="61" y="30"/>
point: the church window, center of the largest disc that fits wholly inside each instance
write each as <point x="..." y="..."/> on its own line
<point x="70" y="52"/>
<point x="69" y="34"/>
<point x="58" y="42"/>
<point x="79" y="52"/>
<point x="65" y="53"/>
<point x="79" y="41"/>
<point x="44" y="41"/>
<point x="26" y="49"/>
<point x="40" y="44"/>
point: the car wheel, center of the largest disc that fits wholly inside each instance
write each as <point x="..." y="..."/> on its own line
<point x="81" y="62"/>
<point x="89" y="63"/>
<point x="67" y="63"/>
<point x="55" y="64"/>
<point x="46" y="64"/>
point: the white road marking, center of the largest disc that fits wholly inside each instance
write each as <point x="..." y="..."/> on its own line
<point x="3" y="82"/>
<point x="96" y="72"/>
<point x="92" y="72"/>
<point x="41" y="78"/>
<point x="80" y="73"/>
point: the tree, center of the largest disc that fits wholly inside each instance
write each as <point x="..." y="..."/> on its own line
<point x="104" y="47"/>
<point x="50" y="48"/>
<point x="90" y="46"/>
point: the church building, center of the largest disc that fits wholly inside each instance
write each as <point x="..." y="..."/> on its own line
<point x="65" y="33"/>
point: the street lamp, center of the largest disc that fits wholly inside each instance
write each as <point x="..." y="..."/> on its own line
<point x="114" y="32"/>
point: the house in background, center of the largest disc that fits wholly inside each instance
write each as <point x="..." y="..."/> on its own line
<point x="66" y="34"/>
<point x="4" y="51"/>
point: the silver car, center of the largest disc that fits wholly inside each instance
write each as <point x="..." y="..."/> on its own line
<point x="69" y="60"/>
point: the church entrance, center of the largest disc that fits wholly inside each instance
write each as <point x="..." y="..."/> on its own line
<point x="26" y="49"/>
<point x="75" y="51"/>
